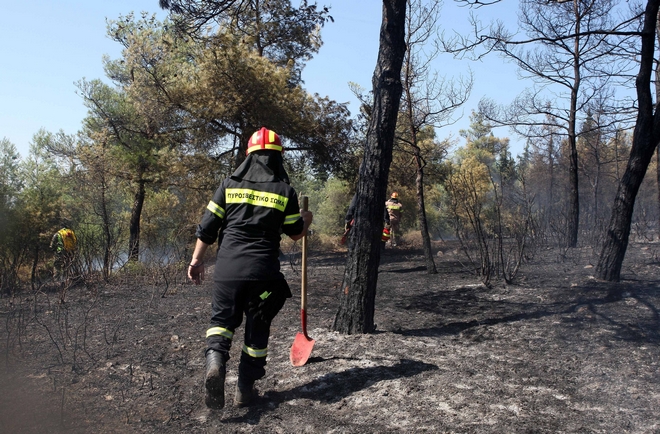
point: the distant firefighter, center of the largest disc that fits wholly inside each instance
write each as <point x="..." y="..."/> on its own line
<point x="394" y="208"/>
<point x="349" y="220"/>
<point x="64" y="244"/>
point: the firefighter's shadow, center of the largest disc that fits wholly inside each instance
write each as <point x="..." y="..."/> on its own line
<point x="334" y="386"/>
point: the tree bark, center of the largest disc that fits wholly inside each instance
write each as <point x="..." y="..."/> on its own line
<point x="35" y="263"/>
<point x="645" y="140"/>
<point x="657" y="177"/>
<point x="421" y="215"/>
<point x="134" y="229"/>
<point x="657" y="95"/>
<point x="574" y="196"/>
<point x="358" y="291"/>
<point x="574" y="199"/>
<point x="106" y="225"/>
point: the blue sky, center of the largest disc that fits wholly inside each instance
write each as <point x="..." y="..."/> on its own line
<point x="48" y="46"/>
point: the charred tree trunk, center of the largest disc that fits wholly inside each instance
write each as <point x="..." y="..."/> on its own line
<point x="107" y="234"/>
<point x="574" y="199"/>
<point x="421" y="215"/>
<point x="645" y="140"/>
<point x="35" y="264"/>
<point x="551" y="167"/>
<point x="358" y="291"/>
<point x="657" y="95"/>
<point x="657" y="177"/>
<point x="136" y="213"/>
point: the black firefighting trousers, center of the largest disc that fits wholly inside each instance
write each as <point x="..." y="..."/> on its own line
<point x="259" y="301"/>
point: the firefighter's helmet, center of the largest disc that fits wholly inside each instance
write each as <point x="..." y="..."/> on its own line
<point x="264" y="139"/>
<point x="395" y="195"/>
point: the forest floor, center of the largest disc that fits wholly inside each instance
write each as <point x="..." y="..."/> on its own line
<point x="556" y="352"/>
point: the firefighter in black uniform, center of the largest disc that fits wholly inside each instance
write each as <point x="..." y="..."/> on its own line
<point x="350" y="219"/>
<point x="247" y="214"/>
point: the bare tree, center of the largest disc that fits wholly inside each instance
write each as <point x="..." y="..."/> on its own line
<point x="428" y="100"/>
<point x="596" y="146"/>
<point x="568" y="52"/>
<point x="544" y="154"/>
<point x="358" y="292"/>
<point x="645" y="141"/>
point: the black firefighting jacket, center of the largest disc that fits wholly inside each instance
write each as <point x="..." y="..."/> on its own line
<point x="248" y="219"/>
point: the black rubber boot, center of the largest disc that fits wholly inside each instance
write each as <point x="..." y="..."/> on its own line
<point x="245" y="393"/>
<point x="215" y="380"/>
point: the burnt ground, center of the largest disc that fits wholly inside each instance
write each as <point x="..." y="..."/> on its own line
<point x="557" y="352"/>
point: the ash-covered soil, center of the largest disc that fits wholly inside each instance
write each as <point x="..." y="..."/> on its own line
<point x="557" y="352"/>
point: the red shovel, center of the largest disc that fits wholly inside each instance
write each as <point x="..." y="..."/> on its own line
<point x="303" y="344"/>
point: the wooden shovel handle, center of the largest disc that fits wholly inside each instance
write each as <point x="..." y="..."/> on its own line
<point x="303" y="285"/>
<point x="303" y="344"/>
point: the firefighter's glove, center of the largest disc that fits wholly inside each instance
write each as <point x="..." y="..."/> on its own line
<point x="266" y="305"/>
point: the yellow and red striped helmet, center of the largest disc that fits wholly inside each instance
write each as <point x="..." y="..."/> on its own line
<point x="264" y="139"/>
